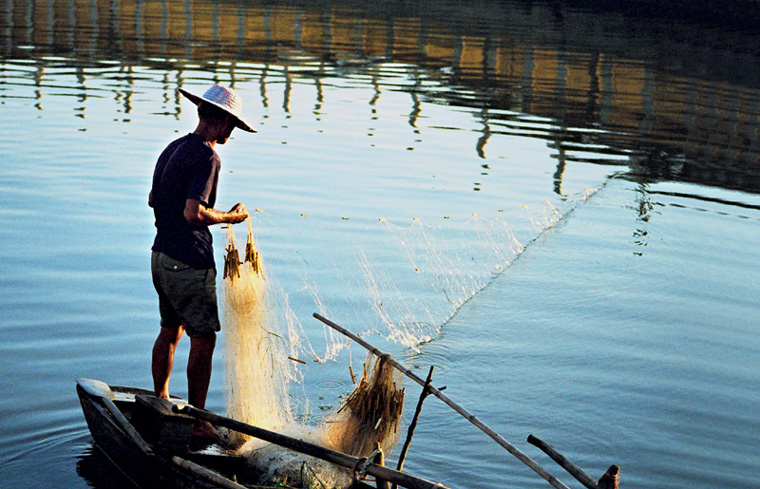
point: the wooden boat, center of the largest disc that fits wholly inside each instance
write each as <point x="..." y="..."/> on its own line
<point x="120" y="419"/>
<point x="108" y="410"/>
<point x="146" y="438"/>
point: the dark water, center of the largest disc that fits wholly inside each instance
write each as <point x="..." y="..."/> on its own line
<point x="622" y="329"/>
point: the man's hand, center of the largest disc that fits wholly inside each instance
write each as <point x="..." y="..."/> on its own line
<point x="197" y="213"/>
<point x="237" y="214"/>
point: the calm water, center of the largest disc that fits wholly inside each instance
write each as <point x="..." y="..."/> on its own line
<point x="564" y="203"/>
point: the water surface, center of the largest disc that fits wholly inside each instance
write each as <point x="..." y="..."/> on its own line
<point x="562" y="202"/>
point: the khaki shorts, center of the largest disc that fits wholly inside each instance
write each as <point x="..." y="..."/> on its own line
<point x="186" y="296"/>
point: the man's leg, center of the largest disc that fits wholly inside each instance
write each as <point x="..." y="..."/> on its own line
<point x="199" y="369"/>
<point x="199" y="378"/>
<point x="163" y="359"/>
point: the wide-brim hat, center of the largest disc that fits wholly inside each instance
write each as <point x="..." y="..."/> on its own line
<point x="226" y="99"/>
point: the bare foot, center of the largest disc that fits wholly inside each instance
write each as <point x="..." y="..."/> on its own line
<point x="205" y="431"/>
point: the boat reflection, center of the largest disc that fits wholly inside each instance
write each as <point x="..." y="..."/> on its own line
<point x="99" y="472"/>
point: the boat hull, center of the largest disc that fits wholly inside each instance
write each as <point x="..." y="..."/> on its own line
<point x="108" y="410"/>
<point x="145" y="470"/>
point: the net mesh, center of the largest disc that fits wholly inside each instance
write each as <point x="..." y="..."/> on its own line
<point x="371" y="414"/>
<point x="256" y="353"/>
<point x="401" y="283"/>
<point x="258" y="374"/>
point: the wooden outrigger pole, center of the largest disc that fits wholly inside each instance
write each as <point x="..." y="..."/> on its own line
<point x="341" y="459"/>
<point x="453" y="405"/>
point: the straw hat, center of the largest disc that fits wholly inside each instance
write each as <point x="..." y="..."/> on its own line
<point x="226" y="99"/>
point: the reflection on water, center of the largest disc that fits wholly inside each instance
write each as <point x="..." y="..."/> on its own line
<point x="95" y="468"/>
<point x="601" y="88"/>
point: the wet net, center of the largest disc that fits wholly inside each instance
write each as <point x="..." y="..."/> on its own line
<point x="255" y="351"/>
<point x="259" y="371"/>
<point x="371" y="414"/>
<point x="399" y="282"/>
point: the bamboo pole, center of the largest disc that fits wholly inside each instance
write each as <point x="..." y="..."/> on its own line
<point x="558" y="484"/>
<point x="380" y="460"/>
<point x="564" y="462"/>
<point x="207" y="474"/>
<point x="402" y="479"/>
<point x="413" y="424"/>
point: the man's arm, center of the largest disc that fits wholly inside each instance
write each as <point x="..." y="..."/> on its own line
<point x="197" y="213"/>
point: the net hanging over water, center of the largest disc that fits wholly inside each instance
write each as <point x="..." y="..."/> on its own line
<point x="371" y="414"/>
<point x="258" y="376"/>
<point x="256" y="353"/>
<point x="401" y="282"/>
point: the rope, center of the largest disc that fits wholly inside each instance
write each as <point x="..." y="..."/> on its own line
<point x="362" y="465"/>
<point x="585" y="194"/>
<point x="305" y="466"/>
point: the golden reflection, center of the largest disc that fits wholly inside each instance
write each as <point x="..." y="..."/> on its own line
<point x="515" y="59"/>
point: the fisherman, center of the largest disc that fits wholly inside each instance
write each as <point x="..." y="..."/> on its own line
<point x="183" y="196"/>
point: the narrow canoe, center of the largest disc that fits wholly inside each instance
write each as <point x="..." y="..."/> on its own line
<point x="108" y="410"/>
<point x="153" y="461"/>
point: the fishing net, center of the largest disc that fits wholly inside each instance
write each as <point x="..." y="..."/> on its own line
<point x="256" y="355"/>
<point x="272" y="465"/>
<point x="371" y="414"/>
<point x="257" y="368"/>
<point x="369" y="418"/>
<point x="401" y="282"/>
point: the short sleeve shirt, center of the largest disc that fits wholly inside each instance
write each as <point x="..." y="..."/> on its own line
<point x="187" y="169"/>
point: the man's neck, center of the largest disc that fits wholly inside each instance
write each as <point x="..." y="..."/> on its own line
<point x="208" y="132"/>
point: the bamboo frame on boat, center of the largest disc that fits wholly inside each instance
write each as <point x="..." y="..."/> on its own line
<point x="564" y="462"/>
<point x="425" y="392"/>
<point x="558" y="484"/>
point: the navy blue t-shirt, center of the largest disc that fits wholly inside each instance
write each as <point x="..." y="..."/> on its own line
<point x="187" y="169"/>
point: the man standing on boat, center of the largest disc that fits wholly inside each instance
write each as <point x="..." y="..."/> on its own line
<point x="182" y="263"/>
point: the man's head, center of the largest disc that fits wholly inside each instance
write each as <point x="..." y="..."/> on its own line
<point x="220" y="105"/>
<point x="213" y="113"/>
<point x="216" y="121"/>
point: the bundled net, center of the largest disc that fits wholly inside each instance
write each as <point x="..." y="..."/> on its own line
<point x="371" y="414"/>
<point x="255" y="351"/>
<point x="369" y="418"/>
<point x="257" y="387"/>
